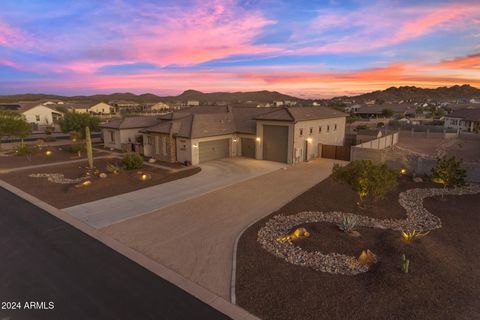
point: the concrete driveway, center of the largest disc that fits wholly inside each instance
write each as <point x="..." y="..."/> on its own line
<point x="214" y="175"/>
<point x="195" y="238"/>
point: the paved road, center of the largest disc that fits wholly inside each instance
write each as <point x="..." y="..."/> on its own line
<point x="196" y="238"/>
<point x="45" y="259"/>
<point x="214" y="175"/>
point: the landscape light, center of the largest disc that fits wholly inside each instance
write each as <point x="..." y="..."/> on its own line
<point x="48" y="152"/>
<point x="86" y="183"/>
<point x="195" y="146"/>
<point x="403" y="171"/>
<point x="144" y="177"/>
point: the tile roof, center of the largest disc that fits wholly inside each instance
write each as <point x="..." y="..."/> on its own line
<point x="467" y="114"/>
<point x="301" y="114"/>
<point x="131" y="123"/>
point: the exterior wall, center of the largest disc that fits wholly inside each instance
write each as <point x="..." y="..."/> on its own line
<point x="329" y="137"/>
<point x="238" y="144"/>
<point x="80" y="110"/>
<point x="107" y="140"/>
<point x="148" y="148"/>
<point x="101" y="107"/>
<point x="161" y="147"/>
<point x="128" y="135"/>
<point x="458" y="124"/>
<point x="40" y="115"/>
<point x="184" y="150"/>
<point x="195" y="156"/>
<point x="259" y="144"/>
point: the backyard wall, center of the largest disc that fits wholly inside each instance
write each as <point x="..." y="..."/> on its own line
<point x="375" y="150"/>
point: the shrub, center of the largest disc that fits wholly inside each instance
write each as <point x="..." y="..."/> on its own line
<point x="448" y="172"/>
<point x="367" y="179"/>
<point x="348" y="223"/>
<point x="77" y="148"/>
<point x="26" y="150"/>
<point x="132" y="161"/>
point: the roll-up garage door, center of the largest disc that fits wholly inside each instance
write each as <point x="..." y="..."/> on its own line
<point x="215" y="149"/>
<point x="275" y="143"/>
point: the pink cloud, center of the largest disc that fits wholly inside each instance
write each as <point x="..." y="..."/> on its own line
<point x="10" y="36"/>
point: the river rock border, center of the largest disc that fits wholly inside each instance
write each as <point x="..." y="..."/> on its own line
<point x="57" y="178"/>
<point x="418" y="218"/>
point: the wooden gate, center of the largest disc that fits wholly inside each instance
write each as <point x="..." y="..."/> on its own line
<point x="336" y="152"/>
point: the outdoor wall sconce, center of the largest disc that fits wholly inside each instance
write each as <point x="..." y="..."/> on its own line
<point x="403" y="171"/>
<point x="195" y="146"/>
<point x="309" y="140"/>
<point x="258" y="139"/>
<point x="234" y="140"/>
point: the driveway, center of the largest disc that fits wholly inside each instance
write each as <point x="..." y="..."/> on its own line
<point x="196" y="238"/>
<point x="214" y="175"/>
<point x="47" y="260"/>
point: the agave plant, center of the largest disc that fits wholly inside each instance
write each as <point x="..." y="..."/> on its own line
<point x="410" y="236"/>
<point x="348" y="223"/>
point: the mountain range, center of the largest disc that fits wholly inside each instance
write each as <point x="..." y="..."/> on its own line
<point x="391" y="94"/>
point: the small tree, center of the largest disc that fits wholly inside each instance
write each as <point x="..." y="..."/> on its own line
<point x="367" y="179"/>
<point x="448" y="172"/>
<point x="387" y="113"/>
<point x="13" y="125"/>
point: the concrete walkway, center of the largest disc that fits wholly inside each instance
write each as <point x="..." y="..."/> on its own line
<point x="196" y="238"/>
<point x="214" y="175"/>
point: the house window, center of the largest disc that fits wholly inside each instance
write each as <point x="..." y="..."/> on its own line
<point x="320" y="129"/>
<point x="335" y="127"/>
<point x="328" y="128"/>
<point x="112" y="136"/>
<point x="149" y="140"/>
<point x="37" y="118"/>
<point x="301" y="132"/>
<point x="311" y="130"/>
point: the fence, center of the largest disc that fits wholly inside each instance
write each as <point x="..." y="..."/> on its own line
<point x="375" y="150"/>
<point x="336" y="152"/>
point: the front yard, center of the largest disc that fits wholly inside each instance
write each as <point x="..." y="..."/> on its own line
<point x="442" y="282"/>
<point x="63" y="185"/>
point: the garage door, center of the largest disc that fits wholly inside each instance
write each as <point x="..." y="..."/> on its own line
<point x="275" y="143"/>
<point x="211" y="150"/>
<point x="248" y="148"/>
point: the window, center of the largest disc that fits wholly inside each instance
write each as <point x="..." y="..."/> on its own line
<point x="37" y="117"/>
<point x="149" y="140"/>
<point x="311" y="130"/>
<point x="320" y="129"/>
<point x="301" y="132"/>
<point x="328" y="128"/>
<point x="335" y="127"/>
<point x="112" y="136"/>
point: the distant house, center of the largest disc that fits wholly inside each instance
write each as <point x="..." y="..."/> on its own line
<point x="197" y="135"/>
<point x="160" y="106"/>
<point x="39" y="114"/>
<point x="352" y="109"/>
<point x="90" y="107"/>
<point x="193" y="103"/>
<point x="463" y="120"/>
<point x="125" y="106"/>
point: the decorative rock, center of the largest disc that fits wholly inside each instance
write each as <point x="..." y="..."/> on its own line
<point x="151" y="160"/>
<point x="57" y="178"/>
<point x="418" y="218"/>
<point x="102" y="175"/>
<point x="417" y="179"/>
<point x="354" y="234"/>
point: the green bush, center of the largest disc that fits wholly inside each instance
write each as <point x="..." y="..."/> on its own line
<point x="77" y="148"/>
<point x="113" y="169"/>
<point x="26" y="150"/>
<point x="367" y="179"/>
<point x="449" y="172"/>
<point x="132" y="161"/>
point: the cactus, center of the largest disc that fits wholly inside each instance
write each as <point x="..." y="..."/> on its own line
<point x="88" y="144"/>
<point x="404" y="263"/>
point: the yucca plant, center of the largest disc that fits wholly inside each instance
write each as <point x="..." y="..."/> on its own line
<point x="410" y="236"/>
<point x="348" y="223"/>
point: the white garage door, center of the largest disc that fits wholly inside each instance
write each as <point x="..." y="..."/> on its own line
<point x="211" y="150"/>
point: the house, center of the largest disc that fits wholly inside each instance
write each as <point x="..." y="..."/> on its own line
<point x="120" y="106"/>
<point x="38" y="114"/>
<point x="124" y="133"/>
<point x="352" y="109"/>
<point x="365" y="135"/>
<point x="90" y="107"/>
<point x="160" y="106"/>
<point x="193" y="103"/>
<point x="463" y="120"/>
<point x="196" y="135"/>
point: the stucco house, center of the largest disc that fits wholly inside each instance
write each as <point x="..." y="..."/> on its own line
<point x="124" y="133"/>
<point x="90" y="107"/>
<point x="463" y="120"/>
<point x="200" y="134"/>
<point x="39" y="114"/>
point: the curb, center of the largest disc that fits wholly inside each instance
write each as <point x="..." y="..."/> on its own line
<point x="188" y="286"/>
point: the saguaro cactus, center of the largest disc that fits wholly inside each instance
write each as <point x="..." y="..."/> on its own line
<point x="88" y="145"/>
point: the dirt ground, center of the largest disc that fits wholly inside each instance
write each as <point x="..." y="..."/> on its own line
<point x="66" y="195"/>
<point x="59" y="154"/>
<point x="442" y="283"/>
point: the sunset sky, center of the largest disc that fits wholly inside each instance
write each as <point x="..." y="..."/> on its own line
<point x="305" y="48"/>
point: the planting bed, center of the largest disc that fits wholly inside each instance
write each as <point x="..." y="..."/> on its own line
<point x="444" y="266"/>
<point x="65" y="195"/>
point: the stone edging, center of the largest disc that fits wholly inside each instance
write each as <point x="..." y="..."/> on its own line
<point x="418" y="218"/>
<point x="176" y="279"/>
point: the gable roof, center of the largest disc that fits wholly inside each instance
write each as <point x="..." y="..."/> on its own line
<point x="296" y="114"/>
<point x="130" y="123"/>
<point x="467" y="114"/>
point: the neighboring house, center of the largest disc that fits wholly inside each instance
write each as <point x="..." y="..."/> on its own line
<point x="463" y="120"/>
<point x="201" y="134"/>
<point x="39" y="114"/>
<point x="365" y="135"/>
<point x="352" y="109"/>
<point x="126" y="106"/>
<point x="90" y="107"/>
<point x="160" y="106"/>
<point x="193" y="103"/>
<point x="124" y="133"/>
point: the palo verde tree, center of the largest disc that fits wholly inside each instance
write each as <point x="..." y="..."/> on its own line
<point x="367" y="179"/>
<point x="81" y="123"/>
<point x="448" y="172"/>
<point x="12" y="124"/>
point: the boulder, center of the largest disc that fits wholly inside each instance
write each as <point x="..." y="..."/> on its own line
<point x="102" y="175"/>
<point x="417" y="179"/>
<point x="151" y="160"/>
